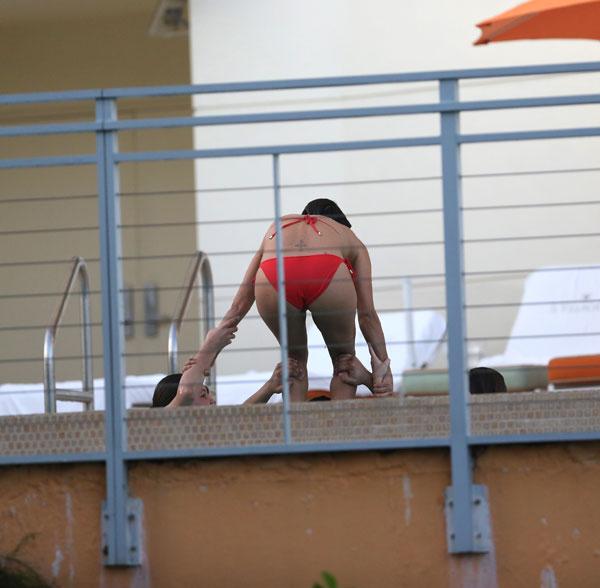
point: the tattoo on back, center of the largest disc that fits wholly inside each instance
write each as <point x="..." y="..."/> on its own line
<point x="300" y="244"/>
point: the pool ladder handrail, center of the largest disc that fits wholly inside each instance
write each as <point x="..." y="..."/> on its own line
<point x="86" y="394"/>
<point x="201" y="265"/>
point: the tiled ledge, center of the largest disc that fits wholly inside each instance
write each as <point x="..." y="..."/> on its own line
<point x="386" y="418"/>
<point x="536" y="412"/>
<point x="37" y="434"/>
<point x="230" y="426"/>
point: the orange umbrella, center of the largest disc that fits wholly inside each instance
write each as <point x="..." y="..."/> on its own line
<point x="544" y="19"/>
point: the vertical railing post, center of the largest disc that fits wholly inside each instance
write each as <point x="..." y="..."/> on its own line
<point x="464" y="536"/>
<point x="120" y="515"/>
<point x="281" y="303"/>
<point x="409" y="320"/>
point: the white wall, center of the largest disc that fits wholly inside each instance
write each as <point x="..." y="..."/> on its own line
<point x="279" y="39"/>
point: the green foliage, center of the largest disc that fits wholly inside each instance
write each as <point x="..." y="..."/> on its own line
<point x="328" y="579"/>
<point x="15" y="573"/>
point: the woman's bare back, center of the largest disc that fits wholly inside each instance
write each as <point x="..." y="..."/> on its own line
<point x="302" y="238"/>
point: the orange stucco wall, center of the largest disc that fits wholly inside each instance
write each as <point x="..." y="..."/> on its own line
<point x="373" y="519"/>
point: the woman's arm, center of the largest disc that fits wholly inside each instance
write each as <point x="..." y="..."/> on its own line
<point x="193" y="376"/>
<point x="368" y="320"/>
<point x="244" y="298"/>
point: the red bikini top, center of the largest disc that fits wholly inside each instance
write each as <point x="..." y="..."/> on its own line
<point x="309" y="219"/>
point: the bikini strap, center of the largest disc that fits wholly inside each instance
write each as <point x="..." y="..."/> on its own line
<point x="350" y="268"/>
<point x="309" y="219"/>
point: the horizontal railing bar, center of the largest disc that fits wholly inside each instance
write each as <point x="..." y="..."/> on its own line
<point x="296" y="448"/>
<point x="264" y="219"/>
<point x="301" y="83"/>
<point x="47" y="161"/>
<point x="342" y="113"/>
<point x="46" y="198"/>
<point x="525" y="270"/>
<point x="366" y="445"/>
<point x="532" y="205"/>
<point x="283" y="186"/>
<point x="50" y="129"/>
<point x="556" y="437"/>
<point x="365" y="80"/>
<point x="274" y="149"/>
<point x="199" y="287"/>
<point x="193" y="351"/>
<point x="531" y="238"/>
<point x="40" y="97"/>
<point x="354" y="215"/>
<point x="528" y="337"/>
<point x="252" y="251"/>
<point x="529" y="135"/>
<point x="46" y="231"/>
<point x="43" y="262"/>
<point x="271" y="117"/>
<point x="530" y="172"/>
<point x="386" y="213"/>
<point x="357" y="182"/>
<point x="532" y="303"/>
<point x="8" y="460"/>
<point x="481" y="306"/>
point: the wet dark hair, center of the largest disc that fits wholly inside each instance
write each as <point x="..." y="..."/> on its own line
<point x="484" y="380"/>
<point x="326" y="207"/>
<point x="165" y="390"/>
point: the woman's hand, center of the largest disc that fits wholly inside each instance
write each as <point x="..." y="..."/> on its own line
<point x="351" y="371"/>
<point x="383" y="382"/>
<point x="219" y="337"/>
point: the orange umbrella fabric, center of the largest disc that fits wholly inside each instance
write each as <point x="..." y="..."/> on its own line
<point x="544" y="19"/>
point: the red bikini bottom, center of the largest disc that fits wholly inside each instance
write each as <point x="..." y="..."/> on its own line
<point x="306" y="276"/>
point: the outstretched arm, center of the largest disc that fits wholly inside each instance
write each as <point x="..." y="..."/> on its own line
<point x="274" y="385"/>
<point x="244" y="298"/>
<point x="196" y="369"/>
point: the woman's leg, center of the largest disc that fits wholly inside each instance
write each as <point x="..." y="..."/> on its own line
<point x="334" y="313"/>
<point x="266" y="302"/>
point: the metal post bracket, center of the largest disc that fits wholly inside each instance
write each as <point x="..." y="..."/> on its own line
<point x="133" y="533"/>
<point x="480" y="513"/>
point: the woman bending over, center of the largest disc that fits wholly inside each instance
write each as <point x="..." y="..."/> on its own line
<point x="327" y="271"/>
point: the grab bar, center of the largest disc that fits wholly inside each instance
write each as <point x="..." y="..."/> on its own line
<point x="86" y="395"/>
<point x="202" y="265"/>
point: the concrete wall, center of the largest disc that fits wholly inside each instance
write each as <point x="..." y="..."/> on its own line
<point x="372" y="519"/>
<point x="270" y="39"/>
<point x="113" y="49"/>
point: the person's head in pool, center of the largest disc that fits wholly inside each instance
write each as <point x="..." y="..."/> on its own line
<point x="328" y="208"/>
<point x="484" y="380"/>
<point x="166" y="391"/>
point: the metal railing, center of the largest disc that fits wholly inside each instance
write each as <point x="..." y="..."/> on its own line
<point x="86" y="394"/>
<point x="464" y="499"/>
<point x="201" y="265"/>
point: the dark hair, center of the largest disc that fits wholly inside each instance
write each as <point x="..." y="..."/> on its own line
<point x="329" y="208"/>
<point x="484" y="380"/>
<point x="165" y="390"/>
